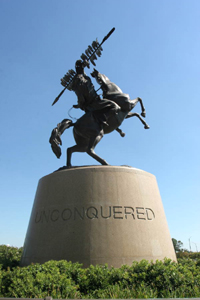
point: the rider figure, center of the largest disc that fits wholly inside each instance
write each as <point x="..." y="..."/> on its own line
<point x="88" y="99"/>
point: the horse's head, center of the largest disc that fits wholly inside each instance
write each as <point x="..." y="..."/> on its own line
<point x="101" y="79"/>
<point x="106" y="85"/>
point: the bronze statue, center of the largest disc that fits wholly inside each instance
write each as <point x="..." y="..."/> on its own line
<point x="102" y="115"/>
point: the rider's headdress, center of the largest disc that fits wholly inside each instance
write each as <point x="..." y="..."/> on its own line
<point x="88" y="56"/>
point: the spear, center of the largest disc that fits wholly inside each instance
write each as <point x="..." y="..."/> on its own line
<point x="104" y="39"/>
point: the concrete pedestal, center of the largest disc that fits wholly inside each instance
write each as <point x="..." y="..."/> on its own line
<point x="97" y="215"/>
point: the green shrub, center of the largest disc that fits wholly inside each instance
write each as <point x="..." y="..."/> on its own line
<point x="62" y="279"/>
<point x="38" y="281"/>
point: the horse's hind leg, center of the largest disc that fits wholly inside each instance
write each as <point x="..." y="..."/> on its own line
<point x="76" y="148"/>
<point x="90" y="151"/>
<point x="146" y="126"/>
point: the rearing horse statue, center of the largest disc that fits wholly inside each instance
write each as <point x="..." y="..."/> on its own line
<point x="88" y="131"/>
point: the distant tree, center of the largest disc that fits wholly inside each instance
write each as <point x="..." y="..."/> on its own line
<point x="178" y="245"/>
<point x="10" y="256"/>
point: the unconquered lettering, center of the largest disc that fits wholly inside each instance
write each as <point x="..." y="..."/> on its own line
<point x="95" y="213"/>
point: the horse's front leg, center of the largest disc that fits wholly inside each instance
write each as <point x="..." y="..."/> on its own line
<point x="120" y="132"/>
<point x="135" y="101"/>
<point x="143" y="113"/>
<point x="146" y="126"/>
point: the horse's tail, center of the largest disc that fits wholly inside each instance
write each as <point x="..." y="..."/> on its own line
<point x="55" y="139"/>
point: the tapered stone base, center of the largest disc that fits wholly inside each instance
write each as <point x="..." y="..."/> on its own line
<point x="97" y="215"/>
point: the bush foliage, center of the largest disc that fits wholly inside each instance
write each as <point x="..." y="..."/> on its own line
<point x="63" y="279"/>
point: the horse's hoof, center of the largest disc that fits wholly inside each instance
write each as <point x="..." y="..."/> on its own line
<point x="143" y="114"/>
<point x="146" y="127"/>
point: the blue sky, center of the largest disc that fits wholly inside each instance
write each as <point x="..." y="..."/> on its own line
<point x="154" y="53"/>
